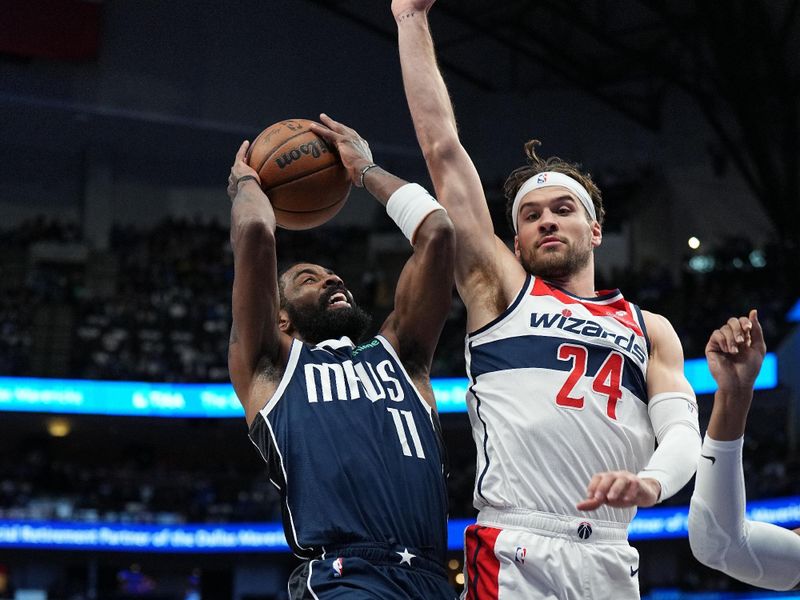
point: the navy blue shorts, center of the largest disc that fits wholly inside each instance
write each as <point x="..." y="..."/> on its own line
<point x="370" y="573"/>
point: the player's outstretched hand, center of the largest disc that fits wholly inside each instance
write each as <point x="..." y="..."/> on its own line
<point x="352" y="148"/>
<point x="735" y="352"/>
<point x="240" y="169"/>
<point x="620" y="489"/>
<point x="401" y="7"/>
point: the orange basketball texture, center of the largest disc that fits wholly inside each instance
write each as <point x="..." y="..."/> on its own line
<point x="301" y="174"/>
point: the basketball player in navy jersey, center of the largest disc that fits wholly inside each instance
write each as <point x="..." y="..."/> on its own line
<point x="720" y="535"/>
<point x="570" y="387"/>
<point x="348" y="430"/>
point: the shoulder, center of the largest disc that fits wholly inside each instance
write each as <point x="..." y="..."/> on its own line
<point x="658" y="327"/>
<point x="664" y="341"/>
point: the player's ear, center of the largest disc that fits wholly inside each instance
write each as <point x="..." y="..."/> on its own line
<point x="597" y="234"/>
<point x="284" y="324"/>
<point x="516" y="246"/>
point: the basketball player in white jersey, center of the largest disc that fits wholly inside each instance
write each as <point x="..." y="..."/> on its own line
<point x="760" y="554"/>
<point x="570" y="387"/>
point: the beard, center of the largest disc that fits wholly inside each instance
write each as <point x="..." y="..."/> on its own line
<point x="318" y="323"/>
<point x="554" y="265"/>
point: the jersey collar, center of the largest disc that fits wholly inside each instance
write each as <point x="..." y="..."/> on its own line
<point x="342" y="342"/>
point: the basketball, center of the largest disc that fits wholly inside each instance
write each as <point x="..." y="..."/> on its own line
<point x="301" y="174"/>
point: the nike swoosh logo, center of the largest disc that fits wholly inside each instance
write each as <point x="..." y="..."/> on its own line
<point x="713" y="459"/>
<point x="633" y="573"/>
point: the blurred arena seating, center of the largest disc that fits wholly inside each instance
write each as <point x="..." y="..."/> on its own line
<point x="155" y="306"/>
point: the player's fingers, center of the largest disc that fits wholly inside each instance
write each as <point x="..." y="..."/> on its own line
<point x="333" y="123"/>
<point x="326" y="133"/>
<point x="757" y="334"/>
<point x="746" y="326"/>
<point x="593" y="485"/>
<point x="730" y="343"/>
<point x="632" y="491"/>
<point x="588" y="504"/>
<point x="736" y="327"/>
<point x="715" y="342"/>
<point x="242" y="152"/>
<point x="618" y="488"/>
<point x="603" y="485"/>
<point x="341" y="128"/>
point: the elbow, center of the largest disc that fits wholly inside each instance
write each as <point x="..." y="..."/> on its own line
<point x="253" y="233"/>
<point x="437" y="230"/>
<point x="706" y="539"/>
<point x="438" y="236"/>
<point x="441" y="150"/>
<point x="702" y="554"/>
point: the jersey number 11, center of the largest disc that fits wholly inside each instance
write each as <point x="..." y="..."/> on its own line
<point x="399" y="416"/>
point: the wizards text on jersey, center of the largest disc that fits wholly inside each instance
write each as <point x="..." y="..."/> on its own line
<point x="589" y="329"/>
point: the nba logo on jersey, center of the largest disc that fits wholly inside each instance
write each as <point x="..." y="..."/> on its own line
<point x="584" y="530"/>
<point x="338" y="567"/>
<point x="519" y="555"/>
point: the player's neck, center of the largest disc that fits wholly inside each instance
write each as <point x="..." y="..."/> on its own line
<point x="579" y="284"/>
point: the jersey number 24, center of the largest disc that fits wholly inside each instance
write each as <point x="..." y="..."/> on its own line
<point x="607" y="381"/>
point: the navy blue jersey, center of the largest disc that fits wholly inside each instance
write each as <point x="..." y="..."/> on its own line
<point x="354" y="450"/>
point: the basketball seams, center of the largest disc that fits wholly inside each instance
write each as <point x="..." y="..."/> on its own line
<point x="303" y="176"/>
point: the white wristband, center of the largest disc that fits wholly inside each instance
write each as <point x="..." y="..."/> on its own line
<point x="408" y="207"/>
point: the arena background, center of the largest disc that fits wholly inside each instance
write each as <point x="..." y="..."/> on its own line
<point x="118" y="123"/>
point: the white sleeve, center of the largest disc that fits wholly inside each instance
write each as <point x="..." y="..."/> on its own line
<point x="674" y="419"/>
<point x="720" y="536"/>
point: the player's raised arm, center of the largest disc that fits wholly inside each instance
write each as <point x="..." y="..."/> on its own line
<point x="255" y="335"/>
<point x="425" y="287"/>
<point x="424" y="290"/>
<point x="672" y="408"/>
<point x="481" y="258"/>
<point x="720" y="535"/>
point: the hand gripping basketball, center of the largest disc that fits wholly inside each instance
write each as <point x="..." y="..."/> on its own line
<point x="240" y="170"/>
<point x="353" y="150"/>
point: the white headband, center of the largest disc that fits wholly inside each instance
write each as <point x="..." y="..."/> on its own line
<point x="550" y="179"/>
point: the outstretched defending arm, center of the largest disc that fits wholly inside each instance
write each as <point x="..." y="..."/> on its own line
<point x="483" y="262"/>
<point x="255" y="336"/>
<point x="425" y="287"/>
<point x="720" y="536"/>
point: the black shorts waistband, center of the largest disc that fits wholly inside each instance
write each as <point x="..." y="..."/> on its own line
<point x="387" y="555"/>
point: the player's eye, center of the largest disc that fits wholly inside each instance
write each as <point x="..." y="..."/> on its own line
<point x="308" y="280"/>
<point x="532" y="216"/>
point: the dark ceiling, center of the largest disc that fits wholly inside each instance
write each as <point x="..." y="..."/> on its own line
<point x="739" y="61"/>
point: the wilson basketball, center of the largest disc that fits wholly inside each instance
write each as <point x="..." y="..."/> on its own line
<point x="301" y="174"/>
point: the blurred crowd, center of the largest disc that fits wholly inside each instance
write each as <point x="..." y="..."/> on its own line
<point x="44" y="480"/>
<point x="155" y="306"/>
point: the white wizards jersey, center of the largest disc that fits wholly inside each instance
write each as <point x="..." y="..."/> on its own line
<point x="557" y="393"/>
